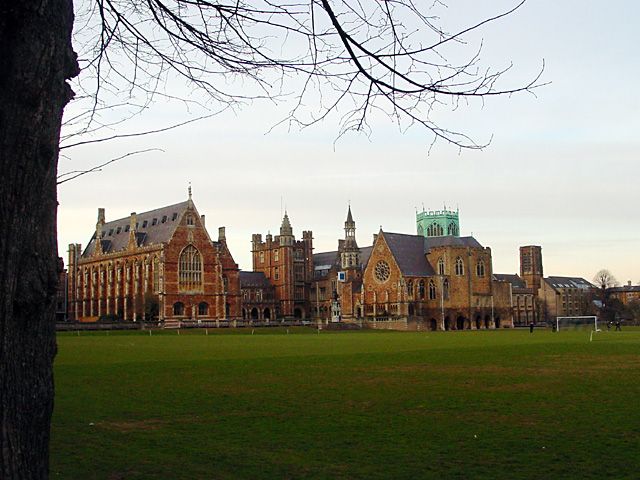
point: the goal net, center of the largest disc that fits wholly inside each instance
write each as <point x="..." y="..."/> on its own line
<point x="575" y="323"/>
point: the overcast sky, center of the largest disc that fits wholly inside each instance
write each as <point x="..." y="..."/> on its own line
<point x="561" y="171"/>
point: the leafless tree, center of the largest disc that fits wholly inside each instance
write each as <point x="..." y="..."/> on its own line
<point x="356" y="58"/>
<point x="604" y="279"/>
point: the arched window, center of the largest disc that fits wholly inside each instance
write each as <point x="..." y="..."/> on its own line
<point x="178" y="308"/>
<point x="190" y="269"/>
<point x="435" y="230"/>
<point x="203" y="309"/>
<point x="410" y="288"/>
<point x="480" y="268"/>
<point x="189" y="220"/>
<point x="441" y="266"/>
<point x="156" y="275"/>
<point x="459" y="266"/>
<point x="420" y="231"/>
<point x="421" y="289"/>
<point x="452" y="229"/>
<point x="432" y="290"/>
<point x="445" y="289"/>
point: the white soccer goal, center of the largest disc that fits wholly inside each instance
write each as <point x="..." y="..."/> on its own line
<point x="573" y="323"/>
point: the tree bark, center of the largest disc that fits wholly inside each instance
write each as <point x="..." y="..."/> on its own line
<point x="36" y="59"/>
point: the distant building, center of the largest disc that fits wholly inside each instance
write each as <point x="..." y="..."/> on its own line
<point x="159" y="264"/>
<point x="626" y="294"/>
<point x="258" y="297"/>
<point x="566" y="297"/>
<point x="287" y="264"/>
<point x="438" y="223"/>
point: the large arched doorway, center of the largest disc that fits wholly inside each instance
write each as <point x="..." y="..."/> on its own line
<point x="460" y="323"/>
<point x="447" y="323"/>
<point x="266" y="314"/>
<point x="433" y="325"/>
<point x="178" y="308"/>
<point x="254" y="313"/>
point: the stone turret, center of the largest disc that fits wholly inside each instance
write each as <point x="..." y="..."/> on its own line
<point x="99" y="224"/>
<point x="286" y="232"/>
<point x="438" y="223"/>
<point x="349" y="251"/>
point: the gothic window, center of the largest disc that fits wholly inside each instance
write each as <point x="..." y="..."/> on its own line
<point x="259" y="295"/>
<point x="441" y="266"/>
<point x="189" y="220"/>
<point x="203" y="309"/>
<point x="480" y="268"/>
<point x="276" y="274"/>
<point x="156" y="275"/>
<point x="410" y="288"/>
<point x="164" y="218"/>
<point x="452" y="229"/>
<point x="435" y="230"/>
<point x="459" y="266"/>
<point x="276" y="255"/>
<point x="178" y="308"/>
<point x="190" y="269"/>
<point x="261" y="257"/>
<point x="432" y="290"/>
<point x="153" y="222"/>
<point x="445" y="289"/>
<point x="145" y="223"/>
<point x="382" y="271"/>
<point x="421" y="289"/>
<point x="174" y="216"/>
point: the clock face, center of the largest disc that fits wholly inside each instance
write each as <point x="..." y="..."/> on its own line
<point x="382" y="271"/>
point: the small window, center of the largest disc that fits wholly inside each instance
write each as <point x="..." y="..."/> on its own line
<point x="178" y="308"/>
<point x="432" y="290"/>
<point x="203" y="308"/>
<point x="164" y="218"/>
<point x="421" y="289"/>
<point x="144" y="224"/>
<point x="126" y="229"/>
<point x="103" y="234"/>
<point x="459" y="266"/>
<point x="174" y="216"/>
<point x="118" y="230"/>
<point x="136" y="225"/>
<point x="154" y="221"/>
<point x="111" y="232"/>
<point x="276" y="255"/>
<point x="440" y="266"/>
<point x="276" y="274"/>
<point x="189" y="219"/>
<point x="261" y="257"/>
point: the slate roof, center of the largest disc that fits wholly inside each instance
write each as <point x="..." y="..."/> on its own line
<point x="326" y="260"/>
<point x="513" y="279"/>
<point x="253" y="279"/>
<point x="626" y="288"/>
<point x="568" y="282"/>
<point x="410" y="250"/>
<point x="146" y="233"/>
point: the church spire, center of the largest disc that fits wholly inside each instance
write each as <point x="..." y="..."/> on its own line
<point x="286" y="232"/>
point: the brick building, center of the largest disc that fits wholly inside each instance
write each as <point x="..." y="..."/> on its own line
<point x="158" y="264"/>
<point x="287" y="264"/>
<point x="258" y="297"/>
<point x="626" y="294"/>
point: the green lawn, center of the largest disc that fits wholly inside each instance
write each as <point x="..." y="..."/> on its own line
<point x="446" y="405"/>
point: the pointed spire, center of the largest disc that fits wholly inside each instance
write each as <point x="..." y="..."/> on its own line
<point x="285" y="228"/>
<point x="349" y="216"/>
<point x="189" y="190"/>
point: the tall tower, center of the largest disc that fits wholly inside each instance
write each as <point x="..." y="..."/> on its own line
<point x="438" y="223"/>
<point x="349" y="251"/>
<point x="531" y="266"/>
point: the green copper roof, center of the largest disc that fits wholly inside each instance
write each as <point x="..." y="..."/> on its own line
<point x="438" y="223"/>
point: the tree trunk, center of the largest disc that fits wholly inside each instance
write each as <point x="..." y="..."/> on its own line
<point x="36" y="59"/>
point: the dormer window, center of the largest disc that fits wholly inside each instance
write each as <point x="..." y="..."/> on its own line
<point x="126" y="229"/>
<point x="118" y="230"/>
<point x="144" y="224"/>
<point x="174" y="216"/>
<point x="154" y="221"/>
<point x="111" y="232"/>
<point x="164" y="218"/>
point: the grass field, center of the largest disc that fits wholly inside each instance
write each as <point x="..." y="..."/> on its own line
<point x="446" y="405"/>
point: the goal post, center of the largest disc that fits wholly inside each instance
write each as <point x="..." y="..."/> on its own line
<point x="579" y="322"/>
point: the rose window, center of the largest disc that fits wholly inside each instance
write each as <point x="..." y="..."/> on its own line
<point x="382" y="271"/>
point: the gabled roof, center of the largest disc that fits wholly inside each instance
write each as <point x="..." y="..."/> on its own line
<point x="625" y="288"/>
<point x="568" y="282"/>
<point x="325" y="260"/>
<point x="513" y="279"/>
<point x="409" y="252"/>
<point x="253" y="279"/>
<point x="116" y="234"/>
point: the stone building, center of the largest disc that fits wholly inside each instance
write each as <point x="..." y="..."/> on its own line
<point x="287" y="264"/>
<point x="258" y="297"/>
<point x="158" y="264"/>
<point x="337" y="281"/>
<point x="436" y="283"/>
<point x="540" y="299"/>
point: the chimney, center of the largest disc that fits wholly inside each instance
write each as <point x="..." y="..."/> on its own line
<point x="133" y="220"/>
<point x="629" y="283"/>
<point x="202" y="220"/>
<point x="101" y="216"/>
<point x="221" y="234"/>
